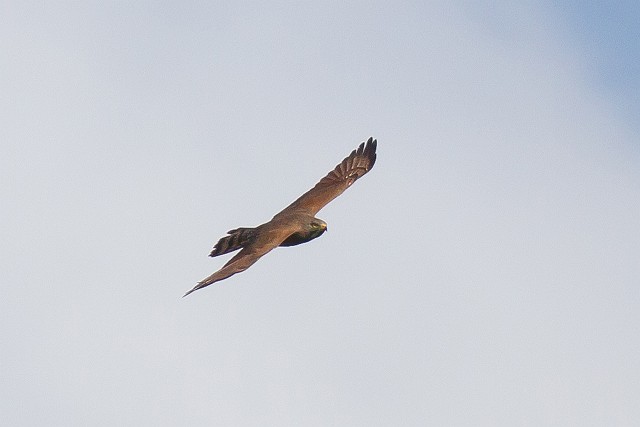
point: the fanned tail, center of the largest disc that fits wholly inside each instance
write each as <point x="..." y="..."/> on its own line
<point x="235" y="240"/>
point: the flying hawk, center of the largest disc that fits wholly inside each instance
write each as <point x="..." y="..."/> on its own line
<point x="296" y="223"/>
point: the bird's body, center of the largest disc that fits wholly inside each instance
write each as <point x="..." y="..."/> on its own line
<point x="294" y="225"/>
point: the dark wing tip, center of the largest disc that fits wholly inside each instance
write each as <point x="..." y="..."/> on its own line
<point x="370" y="150"/>
<point x="371" y="145"/>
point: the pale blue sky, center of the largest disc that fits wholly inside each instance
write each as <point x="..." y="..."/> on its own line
<point x="484" y="273"/>
<point x="607" y="33"/>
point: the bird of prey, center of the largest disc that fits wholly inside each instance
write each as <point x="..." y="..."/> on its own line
<point x="296" y="223"/>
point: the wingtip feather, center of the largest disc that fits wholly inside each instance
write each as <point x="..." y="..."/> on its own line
<point x="370" y="150"/>
<point x="195" y="288"/>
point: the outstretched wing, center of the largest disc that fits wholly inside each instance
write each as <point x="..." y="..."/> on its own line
<point x="240" y="262"/>
<point x="358" y="163"/>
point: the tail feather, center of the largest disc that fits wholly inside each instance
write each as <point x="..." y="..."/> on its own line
<point x="235" y="240"/>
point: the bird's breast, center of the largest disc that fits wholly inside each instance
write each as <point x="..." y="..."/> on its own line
<point x="301" y="237"/>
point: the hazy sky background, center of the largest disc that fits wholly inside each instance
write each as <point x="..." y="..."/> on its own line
<point x="486" y="272"/>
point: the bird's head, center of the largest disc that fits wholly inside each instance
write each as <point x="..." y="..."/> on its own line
<point x="316" y="227"/>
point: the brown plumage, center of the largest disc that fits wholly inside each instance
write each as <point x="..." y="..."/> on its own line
<point x="296" y="223"/>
